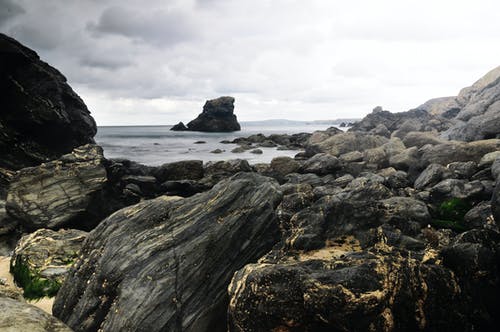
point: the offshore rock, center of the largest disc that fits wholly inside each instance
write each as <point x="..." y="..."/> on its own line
<point x="42" y="117"/>
<point x="155" y="253"/>
<point x="61" y="192"/>
<point x="217" y="116"/>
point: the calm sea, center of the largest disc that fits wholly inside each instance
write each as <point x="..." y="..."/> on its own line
<point x="155" y="145"/>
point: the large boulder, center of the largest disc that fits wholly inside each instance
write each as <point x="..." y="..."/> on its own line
<point x="61" y="192"/>
<point x="20" y="316"/>
<point x="217" y="116"/>
<point x="42" y="259"/>
<point x="42" y="117"/>
<point x="343" y="143"/>
<point x="165" y="265"/>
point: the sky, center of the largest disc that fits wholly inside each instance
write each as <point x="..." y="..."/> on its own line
<point x="156" y="62"/>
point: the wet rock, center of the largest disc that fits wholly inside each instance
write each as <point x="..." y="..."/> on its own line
<point x="433" y="174"/>
<point x="284" y="165"/>
<point x="160" y="247"/>
<point x="184" y="188"/>
<point x="66" y="191"/>
<point x="217" y="151"/>
<point x="256" y="151"/>
<point x="20" y="316"/>
<point x="42" y="118"/>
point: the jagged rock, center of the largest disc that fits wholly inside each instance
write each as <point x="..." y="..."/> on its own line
<point x="155" y="253"/>
<point x="217" y="116"/>
<point x="67" y="191"/>
<point x="42" y="117"/>
<point x="215" y="171"/>
<point x="433" y="174"/>
<point x="341" y="288"/>
<point x="180" y="170"/>
<point x="20" y="316"/>
<point x="46" y="256"/>
<point x="457" y="151"/>
<point x="321" y="164"/>
<point x="179" y="127"/>
<point x="308" y="178"/>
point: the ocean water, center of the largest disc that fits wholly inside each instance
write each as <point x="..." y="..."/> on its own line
<point x="155" y="145"/>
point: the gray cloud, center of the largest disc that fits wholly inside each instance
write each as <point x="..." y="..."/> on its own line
<point x="160" y="27"/>
<point x="9" y="10"/>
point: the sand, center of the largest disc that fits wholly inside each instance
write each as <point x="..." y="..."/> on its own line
<point x="45" y="304"/>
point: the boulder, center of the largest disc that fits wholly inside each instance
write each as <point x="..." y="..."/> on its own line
<point x="42" y="118"/>
<point x="155" y="254"/>
<point x="42" y="259"/>
<point x="67" y="191"/>
<point x="345" y="142"/>
<point x="20" y="316"/>
<point x="284" y="165"/>
<point x="321" y="164"/>
<point x="217" y="116"/>
<point x="215" y="171"/>
<point x="457" y="151"/>
<point x="421" y="138"/>
<point x="180" y="170"/>
<point x="433" y="174"/>
<point x="455" y="188"/>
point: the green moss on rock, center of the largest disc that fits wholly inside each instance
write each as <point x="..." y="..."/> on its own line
<point x="33" y="285"/>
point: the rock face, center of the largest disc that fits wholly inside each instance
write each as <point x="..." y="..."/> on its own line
<point x="61" y="192"/>
<point x="217" y="116"/>
<point x="42" y="117"/>
<point x="42" y="259"/>
<point x="19" y="316"/>
<point x="174" y="258"/>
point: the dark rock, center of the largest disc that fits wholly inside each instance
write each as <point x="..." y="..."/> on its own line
<point x="351" y="157"/>
<point x="184" y="188"/>
<point x="7" y="224"/>
<point x="433" y="174"/>
<point x="284" y="165"/>
<point x="462" y="169"/>
<point x="495" y="169"/>
<point x="217" y="151"/>
<point x="20" y="316"/>
<point x="155" y="254"/>
<point x="148" y="185"/>
<point x="480" y="216"/>
<point x="495" y="203"/>
<point x="404" y="160"/>
<point x="321" y="164"/>
<point x="309" y="178"/>
<point x="42" y="118"/>
<point x="200" y="142"/>
<point x="268" y="144"/>
<point x="454" y="188"/>
<point x="68" y="191"/>
<point x="256" y="151"/>
<point x="179" y="127"/>
<point x="488" y="159"/>
<point x="217" y="170"/>
<point x="217" y="116"/>
<point x="180" y="170"/>
<point x="238" y="150"/>
<point x="343" y="181"/>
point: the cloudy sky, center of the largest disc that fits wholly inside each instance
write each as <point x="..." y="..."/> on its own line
<point x="157" y="63"/>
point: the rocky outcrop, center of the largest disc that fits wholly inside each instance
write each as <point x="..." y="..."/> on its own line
<point x="217" y="116"/>
<point x="42" y="117"/>
<point x="174" y="258"/>
<point x="66" y="191"/>
<point x="42" y="259"/>
<point x="20" y="316"/>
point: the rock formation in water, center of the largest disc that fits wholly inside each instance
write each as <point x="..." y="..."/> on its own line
<point x="42" y="117"/>
<point x="217" y="116"/>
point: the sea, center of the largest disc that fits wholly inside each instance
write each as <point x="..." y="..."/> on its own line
<point x="156" y="145"/>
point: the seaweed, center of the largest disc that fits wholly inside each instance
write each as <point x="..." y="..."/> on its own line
<point x="450" y="214"/>
<point x="34" y="286"/>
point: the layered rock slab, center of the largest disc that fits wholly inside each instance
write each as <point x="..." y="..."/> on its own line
<point x="171" y="261"/>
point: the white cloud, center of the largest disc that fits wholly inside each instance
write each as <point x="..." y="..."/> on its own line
<point x="136" y="64"/>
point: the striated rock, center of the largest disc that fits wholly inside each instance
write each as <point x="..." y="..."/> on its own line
<point x="42" y="117"/>
<point x="155" y="253"/>
<point x="215" y="171"/>
<point x="46" y="256"/>
<point x="20" y="316"/>
<point x="217" y="116"/>
<point x="67" y="191"/>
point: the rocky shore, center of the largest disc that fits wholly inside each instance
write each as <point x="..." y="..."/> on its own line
<point x="390" y="226"/>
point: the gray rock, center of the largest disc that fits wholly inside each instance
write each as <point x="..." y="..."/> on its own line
<point x="488" y="159"/>
<point x="480" y="216"/>
<point x="155" y="253"/>
<point x="343" y="181"/>
<point x="495" y="203"/>
<point x="60" y="192"/>
<point x="462" y="169"/>
<point x="404" y="160"/>
<point x="7" y="224"/>
<point x="457" y="151"/>
<point x="350" y="157"/>
<point x="256" y="151"/>
<point x="284" y="165"/>
<point x="344" y="142"/>
<point x="20" y="316"/>
<point x="42" y="118"/>
<point x="321" y="164"/>
<point x="495" y="169"/>
<point x="433" y="174"/>
<point x="217" y="170"/>
<point x="454" y="188"/>
<point x="217" y="151"/>
<point x="421" y="138"/>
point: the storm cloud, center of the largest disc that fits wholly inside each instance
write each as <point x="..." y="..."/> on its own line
<point x="154" y="63"/>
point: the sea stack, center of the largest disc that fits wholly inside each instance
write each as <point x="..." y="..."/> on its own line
<point x="217" y="116"/>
